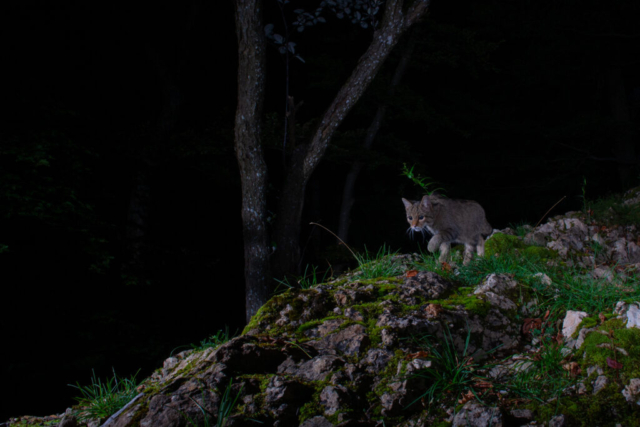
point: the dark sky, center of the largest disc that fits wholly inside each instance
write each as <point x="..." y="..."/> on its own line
<point x="514" y="104"/>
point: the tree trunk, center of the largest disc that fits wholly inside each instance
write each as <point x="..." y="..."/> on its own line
<point x="350" y="182"/>
<point x="253" y="170"/>
<point x="306" y="157"/>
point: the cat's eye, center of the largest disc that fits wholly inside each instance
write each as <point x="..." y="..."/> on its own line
<point x="410" y="218"/>
<point x="421" y="217"/>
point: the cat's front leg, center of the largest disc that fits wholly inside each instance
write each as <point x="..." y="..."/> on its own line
<point x="445" y="248"/>
<point x="434" y="243"/>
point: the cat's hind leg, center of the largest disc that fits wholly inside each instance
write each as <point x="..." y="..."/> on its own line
<point x="480" y="248"/>
<point x="468" y="253"/>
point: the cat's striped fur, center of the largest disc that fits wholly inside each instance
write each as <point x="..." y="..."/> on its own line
<point x="450" y="221"/>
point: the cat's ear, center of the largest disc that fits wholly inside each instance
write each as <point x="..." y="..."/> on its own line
<point x="407" y="204"/>
<point x="425" y="202"/>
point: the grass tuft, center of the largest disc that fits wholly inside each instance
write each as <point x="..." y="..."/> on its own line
<point x="103" y="399"/>
<point x="450" y="373"/>
<point x="382" y="264"/>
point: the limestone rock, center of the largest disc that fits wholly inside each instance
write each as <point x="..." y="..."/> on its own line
<point x="632" y="391"/>
<point x="571" y="321"/>
<point x="425" y="284"/>
<point x="318" y="421"/>
<point x="473" y="414"/>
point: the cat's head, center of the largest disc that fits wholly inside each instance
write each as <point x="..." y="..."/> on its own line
<point x="419" y="214"/>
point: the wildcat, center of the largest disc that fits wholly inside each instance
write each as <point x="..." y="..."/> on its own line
<point x="450" y="221"/>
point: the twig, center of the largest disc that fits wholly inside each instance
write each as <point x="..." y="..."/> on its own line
<point x="545" y="214"/>
<point x="352" y="253"/>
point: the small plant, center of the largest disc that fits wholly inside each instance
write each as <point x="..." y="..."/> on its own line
<point x="521" y="229"/>
<point x="308" y="280"/>
<point x="544" y="377"/>
<point x="382" y="264"/>
<point x="422" y="182"/>
<point x="219" y="338"/>
<point x="585" y="204"/>
<point x="577" y="291"/>
<point x="227" y="404"/>
<point x="451" y="373"/>
<point x="429" y="262"/>
<point x="102" y="399"/>
<point x="520" y="265"/>
<point x="214" y="340"/>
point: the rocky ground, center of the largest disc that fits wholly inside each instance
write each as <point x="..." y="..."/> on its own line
<point x="543" y="331"/>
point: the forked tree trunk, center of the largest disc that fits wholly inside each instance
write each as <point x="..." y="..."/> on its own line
<point x="306" y="157"/>
<point x="253" y="170"/>
<point x="350" y="181"/>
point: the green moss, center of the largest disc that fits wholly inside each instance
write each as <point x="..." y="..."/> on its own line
<point x="385" y="288"/>
<point x="308" y="325"/>
<point x="35" y="423"/>
<point x="465" y="297"/>
<point x="587" y="322"/>
<point x="606" y="408"/>
<point x="596" y="349"/>
<point x="501" y="243"/>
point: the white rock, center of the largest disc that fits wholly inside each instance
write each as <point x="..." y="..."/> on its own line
<point x="633" y="316"/>
<point x="602" y="273"/>
<point x="544" y="279"/>
<point x="571" y="322"/>
<point x="600" y="383"/>
<point x="498" y="283"/>
<point x="632" y="391"/>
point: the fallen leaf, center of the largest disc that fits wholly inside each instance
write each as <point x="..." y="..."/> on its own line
<point x="433" y="310"/>
<point x="602" y="318"/>
<point x="466" y="397"/>
<point x="483" y="384"/>
<point x="573" y="368"/>
<point x="446" y="266"/>
<point x="418" y="355"/>
<point x="559" y="337"/>
<point x="614" y="364"/>
<point x="411" y="273"/>
<point x="546" y="315"/>
<point x="531" y="324"/>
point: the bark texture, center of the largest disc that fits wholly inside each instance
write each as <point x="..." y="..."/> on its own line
<point x="253" y="170"/>
<point x="307" y="157"/>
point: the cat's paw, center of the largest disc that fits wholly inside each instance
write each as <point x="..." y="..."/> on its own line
<point x="433" y="245"/>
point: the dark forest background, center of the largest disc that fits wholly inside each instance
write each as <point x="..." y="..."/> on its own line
<point x="120" y="228"/>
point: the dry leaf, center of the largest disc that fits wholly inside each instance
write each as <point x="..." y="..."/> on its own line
<point x="446" y="266"/>
<point x="573" y="368"/>
<point x="531" y="324"/>
<point x="546" y="315"/>
<point x="602" y="318"/>
<point x="466" y="397"/>
<point x="614" y="364"/>
<point x="433" y="310"/>
<point x="418" y="355"/>
<point x="411" y="273"/>
<point x="483" y="384"/>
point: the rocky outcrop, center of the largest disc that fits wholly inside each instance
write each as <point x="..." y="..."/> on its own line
<point x="427" y="347"/>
